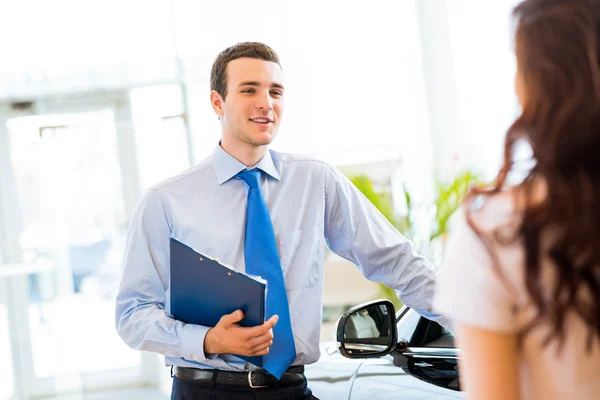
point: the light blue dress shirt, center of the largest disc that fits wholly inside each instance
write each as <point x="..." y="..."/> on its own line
<point x="311" y="203"/>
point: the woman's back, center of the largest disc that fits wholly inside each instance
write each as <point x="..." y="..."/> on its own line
<point x="530" y="254"/>
<point x="473" y="291"/>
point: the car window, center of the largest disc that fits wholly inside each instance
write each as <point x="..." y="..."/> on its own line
<point x="420" y="332"/>
<point x="407" y="324"/>
<point x="440" y="372"/>
<point x="446" y="340"/>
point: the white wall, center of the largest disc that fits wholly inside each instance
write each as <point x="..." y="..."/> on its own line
<point x="357" y="73"/>
<point x="354" y="82"/>
<point x="482" y="48"/>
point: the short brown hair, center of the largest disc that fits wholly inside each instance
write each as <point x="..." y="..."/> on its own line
<point x="218" y="73"/>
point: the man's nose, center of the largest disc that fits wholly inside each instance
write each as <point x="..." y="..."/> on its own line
<point x="265" y="102"/>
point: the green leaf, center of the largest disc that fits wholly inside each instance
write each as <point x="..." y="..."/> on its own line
<point x="448" y="199"/>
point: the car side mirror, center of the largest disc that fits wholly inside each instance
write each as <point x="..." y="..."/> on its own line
<point x="367" y="330"/>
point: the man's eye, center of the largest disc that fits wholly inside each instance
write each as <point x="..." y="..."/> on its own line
<point x="248" y="91"/>
<point x="277" y="93"/>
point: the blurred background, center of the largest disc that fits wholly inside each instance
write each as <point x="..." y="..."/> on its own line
<point x="101" y="99"/>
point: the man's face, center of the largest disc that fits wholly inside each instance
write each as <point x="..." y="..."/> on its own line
<point x="252" y="110"/>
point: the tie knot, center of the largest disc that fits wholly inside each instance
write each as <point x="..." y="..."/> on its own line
<point x="251" y="177"/>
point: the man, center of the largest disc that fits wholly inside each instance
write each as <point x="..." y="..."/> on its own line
<point x="246" y="201"/>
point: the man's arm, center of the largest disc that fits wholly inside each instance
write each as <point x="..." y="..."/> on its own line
<point x="141" y="319"/>
<point x="140" y="315"/>
<point x="357" y="231"/>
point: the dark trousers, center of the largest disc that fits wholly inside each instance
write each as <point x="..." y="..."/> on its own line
<point x="187" y="390"/>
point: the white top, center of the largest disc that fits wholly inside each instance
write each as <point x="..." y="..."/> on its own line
<point x="471" y="292"/>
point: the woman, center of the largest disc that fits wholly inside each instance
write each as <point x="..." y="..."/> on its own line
<point x="522" y="269"/>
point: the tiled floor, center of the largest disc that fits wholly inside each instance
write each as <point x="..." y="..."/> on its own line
<point x="122" y="394"/>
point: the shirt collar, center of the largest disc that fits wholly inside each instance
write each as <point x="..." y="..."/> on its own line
<point x="227" y="166"/>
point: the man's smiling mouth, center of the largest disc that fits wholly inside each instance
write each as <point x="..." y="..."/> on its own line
<point x="261" y="120"/>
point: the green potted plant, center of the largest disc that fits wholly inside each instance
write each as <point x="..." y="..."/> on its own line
<point x="447" y="200"/>
<point x="383" y="202"/>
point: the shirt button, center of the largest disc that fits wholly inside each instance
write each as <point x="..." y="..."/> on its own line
<point x="195" y="358"/>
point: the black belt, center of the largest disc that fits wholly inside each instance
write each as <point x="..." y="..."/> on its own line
<point x="254" y="378"/>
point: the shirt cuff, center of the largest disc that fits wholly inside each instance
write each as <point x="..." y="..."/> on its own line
<point x="439" y="318"/>
<point x="192" y="343"/>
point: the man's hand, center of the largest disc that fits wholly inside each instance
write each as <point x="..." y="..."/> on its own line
<point x="228" y="337"/>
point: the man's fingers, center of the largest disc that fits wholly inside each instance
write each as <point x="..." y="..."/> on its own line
<point x="261" y="346"/>
<point x="267" y="326"/>
<point x="261" y="352"/>
<point x="259" y="340"/>
<point x="272" y="321"/>
<point x="256" y="331"/>
<point x="260" y="330"/>
<point x="232" y="318"/>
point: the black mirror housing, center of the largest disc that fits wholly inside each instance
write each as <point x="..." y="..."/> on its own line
<point x="368" y="330"/>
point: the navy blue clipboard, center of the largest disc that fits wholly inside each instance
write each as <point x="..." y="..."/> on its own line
<point x="203" y="290"/>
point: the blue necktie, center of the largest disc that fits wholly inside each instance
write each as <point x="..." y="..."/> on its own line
<point x="262" y="259"/>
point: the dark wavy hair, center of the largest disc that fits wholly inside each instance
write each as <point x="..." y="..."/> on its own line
<point x="557" y="49"/>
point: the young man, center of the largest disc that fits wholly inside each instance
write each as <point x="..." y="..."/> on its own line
<point x="265" y="213"/>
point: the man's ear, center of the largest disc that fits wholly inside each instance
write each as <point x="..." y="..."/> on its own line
<point x="216" y="101"/>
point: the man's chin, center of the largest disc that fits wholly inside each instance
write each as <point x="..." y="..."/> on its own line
<point x="262" y="140"/>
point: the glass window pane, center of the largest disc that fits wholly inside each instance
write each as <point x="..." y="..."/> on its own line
<point x="161" y="138"/>
<point x="131" y="51"/>
<point x="69" y="188"/>
<point x="6" y="367"/>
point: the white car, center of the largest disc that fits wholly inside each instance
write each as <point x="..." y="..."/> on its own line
<point x="381" y="354"/>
